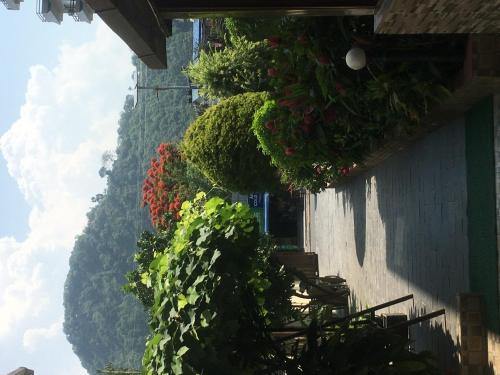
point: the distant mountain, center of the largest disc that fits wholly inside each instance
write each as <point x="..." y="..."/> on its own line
<point x="101" y="322"/>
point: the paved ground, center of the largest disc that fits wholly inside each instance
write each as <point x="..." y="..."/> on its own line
<point x="401" y="228"/>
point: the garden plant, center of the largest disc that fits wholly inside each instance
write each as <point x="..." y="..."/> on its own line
<point x="215" y="295"/>
<point x="222" y="145"/>
<point x="322" y="118"/>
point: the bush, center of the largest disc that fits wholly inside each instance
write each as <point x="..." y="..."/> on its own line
<point x="301" y="159"/>
<point x="222" y="145"/>
<point x="216" y="294"/>
<point x="326" y="117"/>
<point x="161" y="190"/>
<point x="170" y="181"/>
<point x="150" y="245"/>
<point x="236" y="69"/>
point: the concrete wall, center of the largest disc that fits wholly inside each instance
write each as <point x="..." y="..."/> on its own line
<point x="401" y="228"/>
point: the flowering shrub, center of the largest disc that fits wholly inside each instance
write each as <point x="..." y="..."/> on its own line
<point x="287" y="140"/>
<point x="325" y="117"/>
<point x="161" y="190"/>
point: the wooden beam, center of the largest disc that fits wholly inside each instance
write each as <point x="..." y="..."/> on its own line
<point x="242" y="8"/>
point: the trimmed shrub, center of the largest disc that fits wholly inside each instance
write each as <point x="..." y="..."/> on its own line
<point x="222" y="145"/>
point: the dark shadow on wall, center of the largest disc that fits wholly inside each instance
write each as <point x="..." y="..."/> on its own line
<point x="354" y="302"/>
<point x="422" y="202"/>
<point x="438" y="339"/>
<point x="432" y="335"/>
<point x="354" y="197"/>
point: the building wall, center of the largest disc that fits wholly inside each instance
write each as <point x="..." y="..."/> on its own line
<point x="481" y="208"/>
<point x="494" y="338"/>
<point x="496" y="119"/>
<point x="401" y="228"/>
<point x="437" y="16"/>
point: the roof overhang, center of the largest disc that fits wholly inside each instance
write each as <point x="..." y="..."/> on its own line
<point x="138" y="25"/>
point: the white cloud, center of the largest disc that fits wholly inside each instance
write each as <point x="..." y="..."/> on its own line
<point x="33" y="336"/>
<point x="53" y="151"/>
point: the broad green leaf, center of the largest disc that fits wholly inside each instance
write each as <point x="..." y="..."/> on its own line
<point x="181" y="301"/>
<point x="192" y="295"/>
<point x="199" y="196"/>
<point x="215" y="256"/>
<point x="182" y="350"/>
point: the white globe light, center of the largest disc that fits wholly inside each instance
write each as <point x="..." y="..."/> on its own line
<point x="356" y="58"/>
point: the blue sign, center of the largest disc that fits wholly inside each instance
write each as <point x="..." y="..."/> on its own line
<point x="259" y="204"/>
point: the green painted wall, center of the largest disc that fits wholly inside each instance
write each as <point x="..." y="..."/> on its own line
<point x="481" y="204"/>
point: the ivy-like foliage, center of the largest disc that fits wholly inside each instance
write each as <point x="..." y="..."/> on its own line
<point x="222" y="145"/>
<point x="216" y="294"/>
<point x="150" y="245"/>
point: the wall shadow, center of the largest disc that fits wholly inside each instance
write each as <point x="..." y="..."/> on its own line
<point x="354" y="197"/>
<point x="433" y="335"/>
<point x="422" y="202"/>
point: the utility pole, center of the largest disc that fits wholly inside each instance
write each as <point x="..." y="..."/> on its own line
<point x="157" y="89"/>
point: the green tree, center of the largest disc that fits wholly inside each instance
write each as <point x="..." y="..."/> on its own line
<point x="222" y="145"/>
<point x="239" y="68"/>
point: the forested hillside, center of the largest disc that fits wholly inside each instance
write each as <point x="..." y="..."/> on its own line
<point x="101" y="322"/>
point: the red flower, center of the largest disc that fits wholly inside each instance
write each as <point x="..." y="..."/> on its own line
<point x="302" y="39"/>
<point x="323" y="60"/>
<point x="330" y="115"/>
<point x="160" y="190"/>
<point x="272" y="72"/>
<point x="274" y="41"/>
<point x="289" y="151"/>
<point x="340" y="89"/>
<point x="270" y="125"/>
<point x="290" y="103"/>
<point x="344" y="171"/>
<point x="308" y="119"/>
<point x="306" y="128"/>
<point x="308" y="110"/>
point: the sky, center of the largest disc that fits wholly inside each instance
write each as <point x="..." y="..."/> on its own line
<point x="62" y="88"/>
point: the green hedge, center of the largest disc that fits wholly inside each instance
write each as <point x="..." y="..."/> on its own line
<point x="222" y="145"/>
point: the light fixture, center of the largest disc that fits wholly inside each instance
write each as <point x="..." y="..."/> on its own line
<point x="356" y="58"/>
